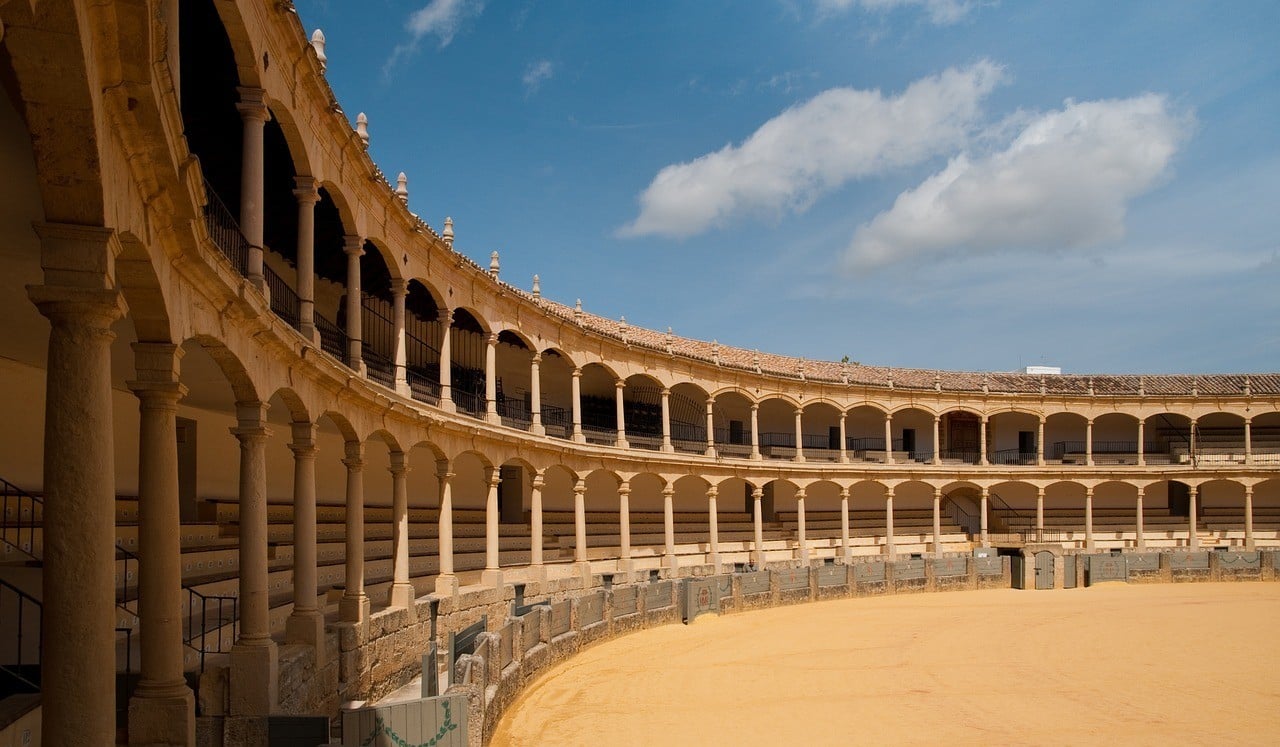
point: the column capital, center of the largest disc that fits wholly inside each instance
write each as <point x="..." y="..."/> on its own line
<point x="580" y="486"/>
<point x="1248" y="490"/>
<point x="713" y="491"/>
<point x="666" y="392"/>
<point x="252" y="104"/>
<point x="252" y="414"/>
<point x="493" y="338"/>
<point x="494" y="478"/>
<point x="445" y="477"/>
<point x="888" y="492"/>
<point x="304" y="434"/>
<point x="620" y="384"/>
<point x="986" y="491"/>
<point x="72" y="306"/>
<point x="801" y="494"/>
<point x="799" y="412"/>
<point x="1088" y="491"/>
<point x="353" y="245"/>
<point x="399" y="464"/>
<point x="306" y="189"/>
<point x="757" y="493"/>
<point x="937" y="493"/>
<point x="668" y="490"/>
<point x="445" y="316"/>
<point x="163" y="394"/>
<point x="157" y="362"/>
<point x="399" y="287"/>
<point x="937" y="419"/>
<point x="354" y="454"/>
<point x="536" y="358"/>
<point x="1142" y="490"/>
<point x="844" y="493"/>
<point x="624" y="488"/>
<point x="576" y="373"/>
<point x="755" y="406"/>
<point x="538" y="481"/>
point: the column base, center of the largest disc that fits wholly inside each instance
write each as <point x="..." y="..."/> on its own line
<point x="163" y="718"/>
<point x="446" y="403"/>
<point x="491" y="577"/>
<point x="402" y="595"/>
<point x="402" y="388"/>
<point x="309" y="331"/>
<point x="710" y="452"/>
<point x="492" y="418"/>
<point x="668" y="449"/>
<point x="446" y="585"/>
<point x="307" y="628"/>
<point x="579" y="438"/>
<point x="757" y="456"/>
<point x="255" y="673"/>
<point x="582" y="569"/>
<point x="354" y="608"/>
<point x="622" y="443"/>
<point x="537" y="430"/>
<point x="670" y="562"/>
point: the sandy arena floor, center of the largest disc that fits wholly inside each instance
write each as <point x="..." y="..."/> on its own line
<point x="1191" y="664"/>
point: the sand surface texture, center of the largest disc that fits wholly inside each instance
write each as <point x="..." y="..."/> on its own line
<point x="1189" y="664"/>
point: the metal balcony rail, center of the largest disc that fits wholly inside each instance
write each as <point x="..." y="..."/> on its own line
<point x="284" y="302"/>
<point x="225" y="231"/>
<point x="333" y="339"/>
<point x="206" y="618"/>
<point x="1013" y="457"/>
<point x="470" y="403"/>
<point x="1062" y="448"/>
<point x="968" y="456"/>
<point x="423" y="387"/>
<point x="597" y="434"/>
<point x="380" y="369"/>
<point x="21" y="660"/>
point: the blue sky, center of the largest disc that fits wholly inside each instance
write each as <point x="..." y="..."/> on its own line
<point x="928" y="183"/>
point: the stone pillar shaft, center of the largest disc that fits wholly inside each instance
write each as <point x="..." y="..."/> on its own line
<point x="621" y="415"/>
<point x="937" y="521"/>
<point x="491" y="379"/>
<point x="1248" y="517"/>
<point x="354" y="605"/>
<point x="624" y="525"/>
<point x="802" y="542"/>
<point x="1088" y="518"/>
<point x="982" y="440"/>
<point x="253" y="115"/>
<point x="890" y="547"/>
<point x="580" y="521"/>
<point x="937" y="443"/>
<point x="757" y="516"/>
<point x="254" y="663"/>
<point x="755" y="431"/>
<point x="494" y="480"/>
<point x="799" y="435"/>
<point x="668" y="528"/>
<point x="402" y="592"/>
<point x="305" y="623"/>
<point x="888" y="439"/>
<point x="666" y="420"/>
<point x="354" y="247"/>
<point x="535" y="395"/>
<point x="576" y="382"/>
<point x="446" y="360"/>
<point x="844" y="441"/>
<point x="1039" y="514"/>
<point x="307" y="195"/>
<point x="535" y="520"/>
<point x="1193" y="534"/>
<point x="1040" y="443"/>
<point x="713" y="520"/>
<point x="845" y="550"/>
<point x="1142" y="446"/>
<point x="711" y="428"/>
<point x="400" y="359"/>
<point x="986" y="542"/>
<point x="1088" y="442"/>
<point x="446" y="582"/>
<point x="1138" y="510"/>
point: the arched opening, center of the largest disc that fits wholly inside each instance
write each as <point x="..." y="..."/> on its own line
<point x="1115" y="439"/>
<point x="777" y="429"/>
<point x="422" y="342"/>
<point x="599" y="404"/>
<point x="864" y="433"/>
<point x="513" y="389"/>
<point x="820" y="432"/>
<point x="961" y="433"/>
<point x="1220" y="438"/>
<point x="1014" y="438"/>
<point x="468" y="341"/>
<point x="1065" y="436"/>
<point x="1167" y="439"/>
<point x="377" y="328"/>
<point x="331" y="229"/>
<point x="1264" y="438"/>
<point x="210" y="119"/>
<point x="733" y="424"/>
<point x="913" y="431"/>
<point x="555" y="375"/>
<point x="642" y="411"/>
<point x="688" y="407"/>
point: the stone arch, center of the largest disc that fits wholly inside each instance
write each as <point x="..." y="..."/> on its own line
<point x="242" y="384"/>
<point x="143" y="291"/>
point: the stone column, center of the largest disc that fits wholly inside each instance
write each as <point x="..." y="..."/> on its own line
<point x="666" y="420"/>
<point x="535" y="395"/>
<point x="353" y="246"/>
<point x="402" y="592"/>
<point x="162" y="709"/>
<point x="621" y="441"/>
<point x="799" y="435"/>
<point x="491" y="379"/>
<point x="400" y="356"/>
<point x="535" y="521"/>
<point x="985" y="538"/>
<point x="1040" y="513"/>
<point x="624" y="526"/>
<point x="354" y="605"/>
<point x="802" y="542"/>
<point x="757" y="494"/>
<point x="890" y="550"/>
<point x="888" y="439"/>
<point x="937" y="522"/>
<point x="1040" y="443"/>
<point x="1088" y="442"/>
<point x="576" y="381"/>
<point x="580" y="522"/>
<point x="1142" y="539"/>
<point x="755" y="431"/>
<point x="254" y="659"/>
<point x="982" y="441"/>
<point x="713" y="520"/>
<point x="446" y="582"/>
<point x="846" y="551"/>
<point x="492" y="576"/>
<point x="446" y="361"/>
<point x="1248" y="440"/>
<point x="1088" y="518"/>
<point x="711" y="427"/>
<point x="1191" y="437"/>
<point x="1248" y="517"/>
<point x="306" y="623"/>
<point x="1193" y="536"/>
<point x="937" y="440"/>
<point x="78" y="584"/>
<point x="1142" y="446"/>
<point x="307" y="194"/>
<point x="668" y="528"/>
<point x="844" y="440"/>
<point x="254" y="115"/>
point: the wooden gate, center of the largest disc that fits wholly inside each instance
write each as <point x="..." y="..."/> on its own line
<point x="1044" y="570"/>
<point x="1068" y="571"/>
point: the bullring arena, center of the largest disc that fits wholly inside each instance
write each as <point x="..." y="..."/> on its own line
<point x="299" y="454"/>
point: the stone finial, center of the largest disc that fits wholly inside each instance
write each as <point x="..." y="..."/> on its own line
<point x="844" y="373"/>
<point x="493" y="265"/>
<point x="447" y="235"/>
<point x="937" y="382"/>
<point x="890" y="382"/>
<point x="667" y="340"/>
<point x="317" y="43"/>
<point x="986" y="388"/>
<point x="362" y="128"/>
<point x="537" y="287"/>
<point x="800" y="370"/>
<point x="1091" y="390"/>
<point x="402" y="188"/>
<point x="1195" y="387"/>
<point x="1142" y="386"/>
<point x="715" y="352"/>
<point x="1248" y="386"/>
<point x="755" y="361"/>
<point x="1043" y="388"/>
<point x="577" y="311"/>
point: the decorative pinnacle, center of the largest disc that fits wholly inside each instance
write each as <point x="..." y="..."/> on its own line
<point x="402" y="188"/>
<point x="537" y="287"/>
<point x="715" y="351"/>
<point x="937" y="382"/>
<point x="755" y="361"/>
<point x="1195" y="387"/>
<point x="1248" y="386"/>
<point x="493" y="265"/>
<point x="668" y="340"/>
<point x="890" y="382"/>
<point x="577" y="311"/>
<point x="1043" y="388"/>
<point x="985" y="388"/>
<point x="362" y="128"/>
<point x="1091" y="392"/>
<point x="800" y="370"/>
<point x="1142" y="386"/>
<point x="447" y="235"/>
<point x="844" y="373"/>
<point x="317" y="43"/>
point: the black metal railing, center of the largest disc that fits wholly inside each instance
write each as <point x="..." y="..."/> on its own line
<point x="21" y="662"/>
<point x="379" y="368"/>
<point x="471" y="403"/>
<point x="972" y="525"/>
<point x="423" y="387"/>
<point x="225" y="231"/>
<point x="968" y="456"/>
<point x="515" y="412"/>
<point x="206" y="618"/>
<point x="333" y="339"/>
<point x="557" y="421"/>
<point x="1013" y="457"/>
<point x="18" y="524"/>
<point x="284" y="301"/>
<point x="127" y="588"/>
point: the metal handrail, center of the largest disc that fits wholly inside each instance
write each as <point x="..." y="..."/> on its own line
<point x="13" y="526"/>
<point x="224" y="231"/>
<point x="333" y="339"/>
<point x="423" y="387"/>
<point x="284" y="301"/>
<point x="15" y="668"/>
<point x="197" y="638"/>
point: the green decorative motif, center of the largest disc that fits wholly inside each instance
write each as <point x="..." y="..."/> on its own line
<point x="380" y="727"/>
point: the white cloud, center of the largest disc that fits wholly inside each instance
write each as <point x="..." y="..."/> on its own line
<point x="941" y="12"/>
<point x="535" y="74"/>
<point x="1064" y="182"/>
<point x="438" y="18"/>
<point x="839" y="135"/>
